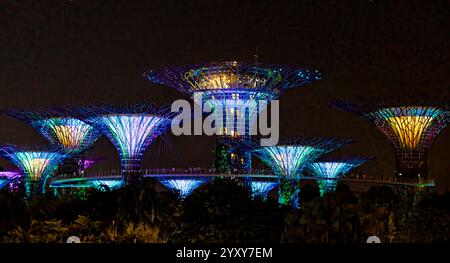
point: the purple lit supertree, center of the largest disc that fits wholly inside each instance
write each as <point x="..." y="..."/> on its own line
<point x="411" y="129"/>
<point x="329" y="170"/>
<point x="289" y="158"/>
<point x="131" y="129"/>
<point x="9" y="179"/>
<point x="87" y="163"/>
<point x="232" y="91"/>
<point x="36" y="163"/>
<point x="61" y="130"/>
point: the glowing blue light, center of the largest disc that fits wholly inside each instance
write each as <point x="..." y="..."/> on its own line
<point x="107" y="184"/>
<point x="331" y="170"/>
<point x="328" y="173"/>
<point x="185" y="186"/>
<point x="3" y="182"/>
<point x="237" y="110"/>
<point x="262" y="188"/>
<point x="131" y="134"/>
<point x="286" y="161"/>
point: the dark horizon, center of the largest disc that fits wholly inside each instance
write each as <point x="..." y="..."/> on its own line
<point x="87" y="52"/>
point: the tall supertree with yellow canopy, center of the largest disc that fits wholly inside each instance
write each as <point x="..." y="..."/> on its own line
<point x="237" y="88"/>
<point x="410" y="128"/>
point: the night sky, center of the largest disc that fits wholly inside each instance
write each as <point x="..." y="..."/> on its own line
<point x="59" y="52"/>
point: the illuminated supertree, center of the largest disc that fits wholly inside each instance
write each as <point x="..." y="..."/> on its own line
<point x="131" y="129"/>
<point x="61" y="130"/>
<point x="9" y="178"/>
<point x="262" y="186"/>
<point x="329" y="171"/>
<point x="185" y="184"/>
<point x="410" y="129"/>
<point x="289" y="158"/>
<point x="232" y="91"/>
<point x="36" y="163"/>
<point x="107" y="184"/>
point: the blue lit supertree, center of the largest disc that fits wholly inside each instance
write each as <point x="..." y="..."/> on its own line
<point x="410" y="128"/>
<point x="131" y="129"/>
<point x="262" y="186"/>
<point x="36" y="163"/>
<point x="329" y="170"/>
<point x="288" y="159"/>
<point x="184" y="184"/>
<point x="107" y="184"/>
<point x="61" y="129"/>
<point x="232" y="91"/>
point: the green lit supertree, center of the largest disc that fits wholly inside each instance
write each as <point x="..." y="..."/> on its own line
<point x="36" y="163"/>
<point x="329" y="170"/>
<point x="289" y="158"/>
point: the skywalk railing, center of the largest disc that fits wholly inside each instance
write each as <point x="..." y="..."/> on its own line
<point x="362" y="178"/>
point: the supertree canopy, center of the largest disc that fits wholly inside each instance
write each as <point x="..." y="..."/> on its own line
<point x="184" y="184"/>
<point x="262" y="186"/>
<point x="410" y="129"/>
<point x="329" y="170"/>
<point x="107" y="184"/>
<point x="61" y="129"/>
<point x="36" y="163"/>
<point x="288" y="159"/>
<point x="131" y="129"/>
<point x="233" y="92"/>
<point x="58" y="127"/>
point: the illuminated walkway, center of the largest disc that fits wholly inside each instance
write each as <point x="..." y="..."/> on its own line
<point x="77" y="181"/>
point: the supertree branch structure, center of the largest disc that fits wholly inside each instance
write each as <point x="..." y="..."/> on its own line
<point x="411" y="130"/>
<point x="61" y="129"/>
<point x="58" y="127"/>
<point x="262" y="186"/>
<point x="36" y="163"/>
<point x="131" y="129"/>
<point x="288" y="159"/>
<point x="232" y="91"/>
<point x="329" y="171"/>
<point x="185" y="185"/>
<point x="232" y="75"/>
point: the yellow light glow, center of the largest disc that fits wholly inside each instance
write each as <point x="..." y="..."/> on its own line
<point x="36" y="168"/>
<point x="409" y="129"/>
<point x="218" y="81"/>
<point x="69" y="136"/>
<point x="227" y="80"/>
